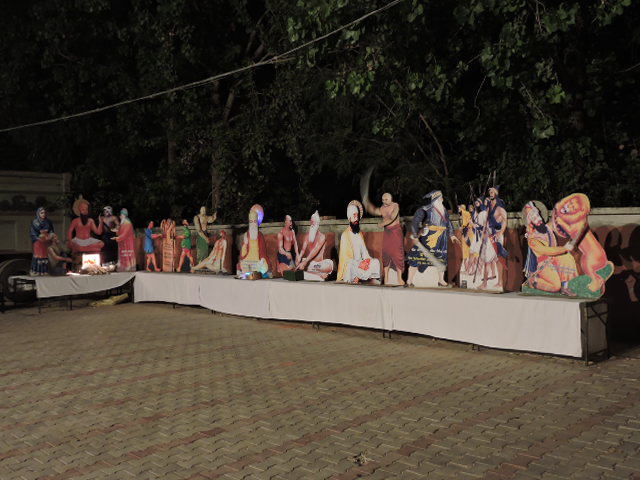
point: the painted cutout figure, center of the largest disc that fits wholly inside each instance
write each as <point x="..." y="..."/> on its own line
<point x="41" y="233"/>
<point x="58" y="261"/>
<point x="549" y="267"/>
<point x="312" y="254"/>
<point x="126" y="244"/>
<point x="431" y="229"/>
<point x="287" y="247"/>
<point x="107" y="228"/>
<point x="200" y="223"/>
<point x="493" y="239"/>
<point x="253" y="253"/>
<point x="79" y="233"/>
<point x="168" y="228"/>
<point x="149" y="248"/>
<point x="466" y="229"/>
<point x="185" y="245"/>
<point x="392" y="240"/>
<point x="569" y="220"/>
<point x="487" y="263"/>
<point x="215" y="261"/>
<point x="355" y="264"/>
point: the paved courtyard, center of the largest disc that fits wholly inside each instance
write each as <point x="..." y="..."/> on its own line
<point x="148" y="391"/>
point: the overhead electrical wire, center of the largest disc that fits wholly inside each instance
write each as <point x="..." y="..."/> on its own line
<point x="205" y="81"/>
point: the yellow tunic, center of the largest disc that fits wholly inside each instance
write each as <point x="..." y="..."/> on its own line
<point x="254" y="251"/>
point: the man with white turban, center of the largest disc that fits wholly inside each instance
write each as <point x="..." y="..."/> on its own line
<point x="314" y="265"/>
<point x="356" y="265"/>
<point x="431" y="229"/>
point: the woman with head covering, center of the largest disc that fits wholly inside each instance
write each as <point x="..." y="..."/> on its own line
<point x="40" y="232"/>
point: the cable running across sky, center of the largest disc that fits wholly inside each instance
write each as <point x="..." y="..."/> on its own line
<point x="205" y="81"/>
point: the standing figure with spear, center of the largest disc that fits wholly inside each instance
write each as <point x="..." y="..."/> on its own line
<point x="493" y="238"/>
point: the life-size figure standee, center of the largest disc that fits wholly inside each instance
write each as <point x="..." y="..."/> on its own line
<point x="393" y="237"/>
<point x="41" y="233"/>
<point x="59" y="261"/>
<point x="200" y="222"/>
<point x="79" y="234"/>
<point x="126" y="244"/>
<point x="253" y="253"/>
<point x="108" y="226"/>
<point x="168" y="228"/>
<point x="287" y="247"/>
<point x="486" y="265"/>
<point x="312" y="259"/>
<point x="431" y="229"/>
<point x="149" y="248"/>
<point x="215" y="261"/>
<point x="392" y="240"/>
<point x="185" y="244"/>
<point x="355" y="264"/>
<point x="551" y="268"/>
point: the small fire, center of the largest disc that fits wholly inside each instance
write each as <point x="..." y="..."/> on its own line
<point x="90" y="259"/>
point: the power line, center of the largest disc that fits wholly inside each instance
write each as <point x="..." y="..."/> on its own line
<point x="205" y="81"/>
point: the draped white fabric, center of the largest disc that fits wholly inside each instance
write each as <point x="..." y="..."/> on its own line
<point x="68" y="285"/>
<point x="179" y="288"/>
<point x="356" y="305"/>
<point x="509" y="321"/>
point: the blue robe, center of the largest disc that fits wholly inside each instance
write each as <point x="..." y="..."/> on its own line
<point x="424" y="218"/>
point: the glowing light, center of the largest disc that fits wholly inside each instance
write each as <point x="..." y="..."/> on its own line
<point x="89" y="259"/>
<point x="260" y="211"/>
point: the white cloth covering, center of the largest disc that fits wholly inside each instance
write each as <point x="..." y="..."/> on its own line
<point x="509" y="321"/>
<point x="223" y="294"/>
<point x="71" y="285"/>
<point x="360" y="253"/>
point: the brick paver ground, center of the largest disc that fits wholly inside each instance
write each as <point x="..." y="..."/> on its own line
<point x="148" y="391"/>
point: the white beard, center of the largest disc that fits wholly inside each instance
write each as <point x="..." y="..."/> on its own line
<point x="253" y="231"/>
<point x="312" y="233"/>
<point x="439" y="205"/>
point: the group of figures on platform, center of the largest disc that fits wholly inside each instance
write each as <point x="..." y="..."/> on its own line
<point x="563" y="255"/>
<point x="177" y="246"/>
<point x="113" y="238"/>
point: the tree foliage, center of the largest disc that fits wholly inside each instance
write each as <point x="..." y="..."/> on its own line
<point x="435" y="93"/>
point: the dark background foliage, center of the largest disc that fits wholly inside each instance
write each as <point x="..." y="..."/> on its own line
<point x="435" y="94"/>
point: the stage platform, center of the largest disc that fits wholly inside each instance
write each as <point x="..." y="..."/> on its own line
<point x="559" y="326"/>
<point x="71" y="285"/>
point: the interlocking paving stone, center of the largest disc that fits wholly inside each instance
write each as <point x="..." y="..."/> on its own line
<point x="148" y="391"/>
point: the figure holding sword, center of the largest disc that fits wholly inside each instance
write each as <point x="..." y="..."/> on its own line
<point x="430" y="232"/>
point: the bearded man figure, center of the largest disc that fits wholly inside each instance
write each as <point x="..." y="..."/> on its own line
<point x="315" y="266"/>
<point x="200" y="222"/>
<point x="431" y="230"/>
<point x="355" y="264"/>
<point x="79" y="233"/>
<point x="253" y="253"/>
<point x="549" y="267"/>
<point x="495" y="228"/>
